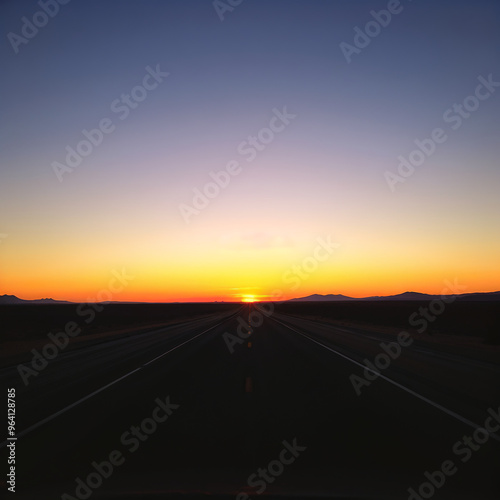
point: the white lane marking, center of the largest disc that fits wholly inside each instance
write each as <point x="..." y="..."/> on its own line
<point x="76" y="403"/>
<point x="451" y="413"/>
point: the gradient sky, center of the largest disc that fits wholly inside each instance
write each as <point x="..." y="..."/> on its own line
<point x="322" y="176"/>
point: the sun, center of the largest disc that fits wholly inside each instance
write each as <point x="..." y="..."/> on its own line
<point x="248" y="298"/>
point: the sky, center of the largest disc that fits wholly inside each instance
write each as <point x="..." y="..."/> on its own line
<point x="248" y="150"/>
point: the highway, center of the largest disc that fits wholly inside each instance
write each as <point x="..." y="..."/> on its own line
<point x="173" y="413"/>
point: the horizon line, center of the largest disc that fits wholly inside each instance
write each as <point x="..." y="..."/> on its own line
<point x="347" y="297"/>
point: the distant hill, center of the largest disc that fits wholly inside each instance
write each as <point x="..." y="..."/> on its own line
<point x="480" y="296"/>
<point x="322" y="298"/>
<point x="13" y="300"/>
<point x="402" y="296"/>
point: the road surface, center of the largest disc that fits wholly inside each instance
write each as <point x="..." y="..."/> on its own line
<point x="172" y="413"/>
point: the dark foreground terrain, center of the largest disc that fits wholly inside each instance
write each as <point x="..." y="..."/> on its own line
<point x="463" y="318"/>
<point x="319" y="401"/>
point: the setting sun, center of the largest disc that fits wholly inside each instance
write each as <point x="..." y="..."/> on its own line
<point x="248" y="298"/>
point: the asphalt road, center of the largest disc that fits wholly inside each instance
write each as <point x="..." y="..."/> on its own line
<point x="173" y="413"/>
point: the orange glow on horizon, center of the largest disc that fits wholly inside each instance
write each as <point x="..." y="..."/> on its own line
<point x="221" y="274"/>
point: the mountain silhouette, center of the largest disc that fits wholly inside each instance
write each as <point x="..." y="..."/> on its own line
<point x="401" y="296"/>
<point x="12" y="300"/>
